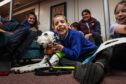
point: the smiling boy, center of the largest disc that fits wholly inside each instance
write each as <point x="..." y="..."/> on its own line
<point x="76" y="49"/>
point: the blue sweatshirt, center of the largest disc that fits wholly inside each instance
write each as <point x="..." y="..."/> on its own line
<point x="75" y="45"/>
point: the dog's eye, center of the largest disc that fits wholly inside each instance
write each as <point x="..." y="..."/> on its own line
<point x="45" y="34"/>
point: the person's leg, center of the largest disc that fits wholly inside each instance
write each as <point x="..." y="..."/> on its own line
<point x="67" y="62"/>
<point x="97" y="39"/>
<point x="3" y="43"/>
<point x="26" y="43"/>
<point x="103" y="58"/>
<point x="89" y="73"/>
<point x="118" y="59"/>
<point x="16" y="39"/>
<point x="23" y="46"/>
<point x="93" y="72"/>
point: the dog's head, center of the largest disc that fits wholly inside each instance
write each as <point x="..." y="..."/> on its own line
<point x="46" y="37"/>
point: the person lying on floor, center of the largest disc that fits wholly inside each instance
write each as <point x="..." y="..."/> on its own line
<point x="76" y="49"/>
<point x="118" y="30"/>
<point x="20" y="36"/>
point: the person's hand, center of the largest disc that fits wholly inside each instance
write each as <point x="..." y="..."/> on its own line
<point x="59" y="47"/>
<point x="88" y="35"/>
<point x="50" y="49"/>
<point x="119" y="28"/>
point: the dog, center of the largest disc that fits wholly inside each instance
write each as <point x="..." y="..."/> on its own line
<point x="47" y="37"/>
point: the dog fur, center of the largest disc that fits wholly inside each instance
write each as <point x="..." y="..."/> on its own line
<point x="44" y="39"/>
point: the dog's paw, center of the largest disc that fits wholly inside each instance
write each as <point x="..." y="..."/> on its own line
<point x="26" y="69"/>
<point x="15" y="70"/>
<point x="22" y="69"/>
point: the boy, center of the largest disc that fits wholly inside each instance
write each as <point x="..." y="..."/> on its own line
<point x="77" y="48"/>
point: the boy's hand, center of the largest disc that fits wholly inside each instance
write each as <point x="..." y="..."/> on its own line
<point x="88" y="35"/>
<point x="59" y="47"/>
<point x="50" y="49"/>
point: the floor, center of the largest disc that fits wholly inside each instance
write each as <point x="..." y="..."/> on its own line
<point x="115" y="77"/>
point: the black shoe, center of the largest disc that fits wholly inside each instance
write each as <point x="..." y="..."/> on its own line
<point x="90" y="73"/>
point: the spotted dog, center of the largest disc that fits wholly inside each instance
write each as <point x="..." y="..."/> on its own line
<point x="44" y="39"/>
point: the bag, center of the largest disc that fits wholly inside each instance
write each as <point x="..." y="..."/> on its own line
<point x="5" y="68"/>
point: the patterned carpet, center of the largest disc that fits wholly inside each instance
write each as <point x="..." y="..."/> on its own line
<point x="115" y="77"/>
<point x="30" y="78"/>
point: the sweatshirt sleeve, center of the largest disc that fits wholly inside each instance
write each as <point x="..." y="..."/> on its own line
<point x="112" y="29"/>
<point x="74" y="51"/>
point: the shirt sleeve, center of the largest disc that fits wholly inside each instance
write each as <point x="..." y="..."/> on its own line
<point x="112" y="28"/>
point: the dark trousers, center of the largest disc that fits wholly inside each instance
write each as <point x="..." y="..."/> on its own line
<point x="3" y="45"/>
<point x="118" y="60"/>
<point x="97" y="39"/>
<point x="11" y="41"/>
<point x="103" y="57"/>
<point x="15" y="40"/>
<point x="26" y="43"/>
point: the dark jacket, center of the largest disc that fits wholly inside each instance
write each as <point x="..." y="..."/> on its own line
<point x="94" y="26"/>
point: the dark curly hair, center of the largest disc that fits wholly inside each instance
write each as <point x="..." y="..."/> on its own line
<point x="86" y="10"/>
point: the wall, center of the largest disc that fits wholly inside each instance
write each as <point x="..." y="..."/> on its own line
<point x="74" y="9"/>
<point x="45" y="12"/>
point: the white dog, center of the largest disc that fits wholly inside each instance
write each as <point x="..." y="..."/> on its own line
<point x="43" y="40"/>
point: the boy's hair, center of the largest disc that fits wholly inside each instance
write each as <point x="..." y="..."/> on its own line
<point x="123" y="2"/>
<point x="85" y="10"/>
<point x="76" y="25"/>
<point x="57" y="15"/>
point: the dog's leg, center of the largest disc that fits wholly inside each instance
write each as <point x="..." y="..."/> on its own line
<point x="54" y="60"/>
<point x="29" y="67"/>
<point x="44" y="60"/>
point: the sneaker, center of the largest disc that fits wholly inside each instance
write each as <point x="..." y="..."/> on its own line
<point x="90" y="73"/>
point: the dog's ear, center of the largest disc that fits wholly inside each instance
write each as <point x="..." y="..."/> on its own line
<point x="45" y="34"/>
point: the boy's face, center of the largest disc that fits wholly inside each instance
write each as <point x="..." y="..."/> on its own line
<point x="86" y="16"/>
<point x="120" y="14"/>
<point x="60" y="25"/>
<point x="72" y="27"/>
